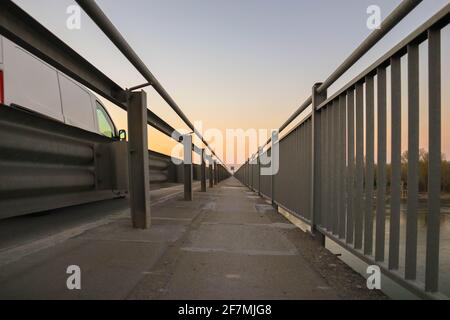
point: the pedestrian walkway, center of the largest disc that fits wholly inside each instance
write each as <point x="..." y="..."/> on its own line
<point x="227" y="244"/>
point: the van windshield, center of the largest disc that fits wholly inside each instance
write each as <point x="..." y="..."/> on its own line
<point x="105" y="124"/>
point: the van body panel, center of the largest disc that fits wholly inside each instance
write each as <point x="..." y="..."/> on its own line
<point x="1" y="50"/>
<point x="34" y="85"/>
<point x="30" y="83"/>
<point x="77" y="105"/>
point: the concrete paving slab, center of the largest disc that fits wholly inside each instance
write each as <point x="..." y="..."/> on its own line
<point x="222" y="245"/>
<point x="175" y="211"/>
<point x="160" y="232"/>
<point x="110" y="270"/>
<point x="25" y="229"/>
<point x="219" y="275"/>
<point x="239" y="239"/>
<point x="235" y="217"/>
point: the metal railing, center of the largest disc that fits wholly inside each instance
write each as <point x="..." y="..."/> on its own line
<point x="46" y="165"/>
<point x="24" y="30"/>
<point x="327" y="171"/>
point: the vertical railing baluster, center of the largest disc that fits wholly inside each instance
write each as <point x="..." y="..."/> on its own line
<point x="274" y="151"/>
<point x="260" y="152"/>
<point x="359" y="165"/>
<point x="335" y="140"/>
<point x="337" y="173"/>
<point x="369" y="173"/>
<point x="307" y="176"/>
<point x="304" y="168"/>
<point x="413" y="161"/>
<point x="329" y="168"/>
<point x="434" y="166"/>
<point x="325" y="176"/>
<point x="310" y="168"/>
<point x="396" y="161"/>
<point x="381" y="167"/>
<point x="301" y="145"/>
<point x="350" y="164"/>
<point x="342" y="166"/>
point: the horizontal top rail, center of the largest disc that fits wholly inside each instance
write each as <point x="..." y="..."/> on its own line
<point x="387" y="25"/>
<point x="108" y="28"/>
<point x="419" y="35"/>
<point x="24" y="30"/>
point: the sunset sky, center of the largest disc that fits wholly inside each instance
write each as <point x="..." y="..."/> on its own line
<point x="237" y="63"/>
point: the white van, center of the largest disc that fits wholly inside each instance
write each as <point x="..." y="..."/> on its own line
<point x="29" y="83"/>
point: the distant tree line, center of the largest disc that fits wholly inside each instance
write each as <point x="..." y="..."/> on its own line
<point x="423" y="171"/>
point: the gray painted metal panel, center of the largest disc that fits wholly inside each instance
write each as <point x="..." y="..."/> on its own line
<point x="255" y="171"/>
<point x="266" y="180"/>
<point x="287" y="183"/>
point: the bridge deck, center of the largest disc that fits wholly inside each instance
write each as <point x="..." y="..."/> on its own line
<point x="226" y="244"/>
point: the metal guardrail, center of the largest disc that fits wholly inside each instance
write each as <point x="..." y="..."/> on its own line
<point x="327" y="170"/>
<point x="45" y="165"/>
<point x="102" y="21"/>
<point x="22" y="29"/>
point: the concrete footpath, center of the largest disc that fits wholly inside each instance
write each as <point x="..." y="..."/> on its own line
<point x="226" y="244"/>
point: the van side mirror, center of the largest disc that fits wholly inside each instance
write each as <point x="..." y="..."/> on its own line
<point x="122" y="135"/>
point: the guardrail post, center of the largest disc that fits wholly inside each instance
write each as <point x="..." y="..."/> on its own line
<point x="203" y="171"/>
<point x="215" y="172"/>
<point x="188" y="168"/>
<point x="317" y="99"/>
<point x="211" y="174"/>
<point x="274" y="149"/>
<point x="260" y="151"/>
<point x="218" y="173"/>
<point x="138" y="160"/>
